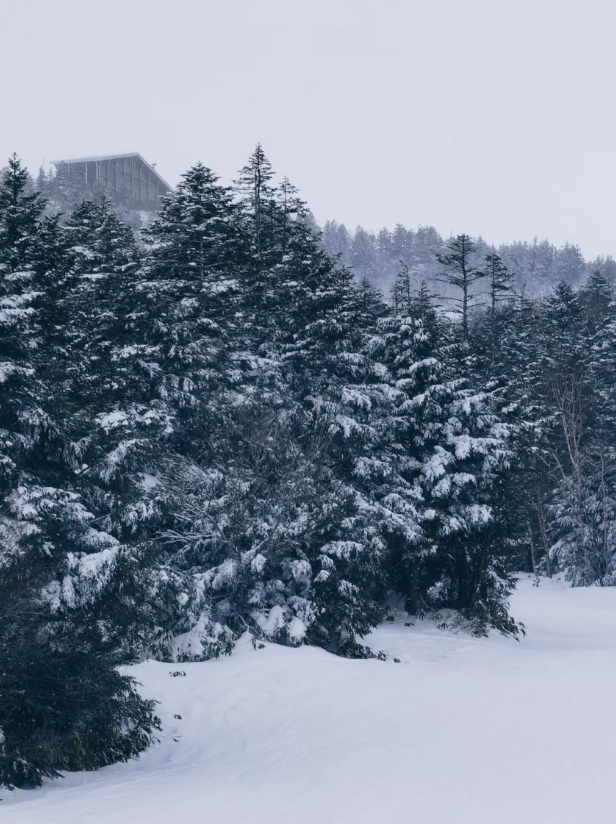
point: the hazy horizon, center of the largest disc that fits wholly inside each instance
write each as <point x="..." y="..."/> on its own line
<point x="466" y="116"/>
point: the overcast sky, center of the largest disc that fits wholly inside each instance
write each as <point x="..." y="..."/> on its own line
<point x="490" y="117"/>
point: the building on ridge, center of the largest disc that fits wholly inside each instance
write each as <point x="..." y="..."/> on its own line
<point x="126" y="174"/>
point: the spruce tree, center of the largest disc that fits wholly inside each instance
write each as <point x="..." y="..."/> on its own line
<point x="20" y="212"/>
<point x="256" y="192"/>
<point x="63" y="703"/>
<point x="287" y="556"/>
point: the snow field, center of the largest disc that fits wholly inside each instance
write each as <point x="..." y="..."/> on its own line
<point x="461" y="731"/>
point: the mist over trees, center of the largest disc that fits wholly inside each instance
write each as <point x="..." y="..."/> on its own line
<point x="227" y="422"/>
<point x="536" y="267"/>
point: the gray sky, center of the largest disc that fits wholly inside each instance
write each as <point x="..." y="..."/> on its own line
<point x="491" y="117"/>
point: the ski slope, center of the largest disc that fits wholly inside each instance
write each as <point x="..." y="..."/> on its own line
<point x="461" y="731"/>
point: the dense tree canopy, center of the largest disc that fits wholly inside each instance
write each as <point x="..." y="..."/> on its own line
<point x="215" y="426"/>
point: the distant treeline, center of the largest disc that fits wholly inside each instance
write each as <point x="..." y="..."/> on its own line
<point x="537" y="267"/>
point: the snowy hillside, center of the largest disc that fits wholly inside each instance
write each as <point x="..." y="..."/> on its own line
<point x="461" y="731"/>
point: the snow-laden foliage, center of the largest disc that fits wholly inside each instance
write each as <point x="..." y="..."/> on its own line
<point x="68" y="588"/>
<point x="213" y="428"/>
<point x="274" y="543"/>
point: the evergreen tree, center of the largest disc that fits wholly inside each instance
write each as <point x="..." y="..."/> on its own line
<point x="500" y="280"/>
<point x="336" y="241"/>
<point x="256" y="192"/>
<point x="21" y="212"/>
<point x="596" y="296"/>
<point x="402" y="291"/>
<point x="460" y="273"/>
<point x="63" y="595"/>
<point x="459" y="445"/>
<point x="364" y="255"/>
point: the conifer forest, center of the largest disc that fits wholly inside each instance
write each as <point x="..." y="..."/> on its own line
<point x="223" y="422"/>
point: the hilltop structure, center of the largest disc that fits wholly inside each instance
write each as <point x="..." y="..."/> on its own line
<point x="127" y="174"/>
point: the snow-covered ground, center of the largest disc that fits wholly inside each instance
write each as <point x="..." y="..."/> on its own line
<point x="462" y="731"/>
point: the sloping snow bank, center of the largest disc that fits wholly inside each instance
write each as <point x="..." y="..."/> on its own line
<point x="462" y="731"/>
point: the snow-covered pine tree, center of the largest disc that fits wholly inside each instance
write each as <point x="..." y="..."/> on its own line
<point x="565" y="393"/>
<point x="452" y="449"/>
<point x="188" y="329"/>
<point x="272" y="540"/>
<point x="20" y="214"/>
<point x="104" y="402"/>
<point x="257" y="193"/>
<point x="397" y="359"/>
<point x="584" y="505"/>
<point x="507" y="348"/>
<point x="62" y="703"/>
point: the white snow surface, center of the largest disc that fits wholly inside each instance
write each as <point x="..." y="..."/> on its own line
<point x="462" y="731"/>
